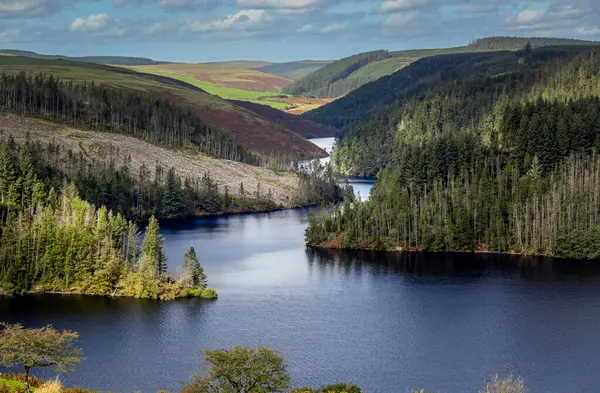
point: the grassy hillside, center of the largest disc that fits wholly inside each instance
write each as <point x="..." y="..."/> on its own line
<point x="253" y="81"/>
<point x="329" y="80"/>
<point x="293" y="70"/>
<point x="246" y="127"/>
<point x="234" y="81"/>
<point x="334" y="80"/>
<point x="226" y="76"/>
<point x="245" y="64"/>
<point x="121" y="60"/>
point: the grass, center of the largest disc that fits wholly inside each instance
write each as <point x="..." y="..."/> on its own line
<point x="14" y="385"/>
<point x="380" y="68"/>
<point x="109" y="76"/>
<point x="230" y="93"/>
<point x="189" y="74"/>
<point x="10" y="384"/>
<point x="245" y="64"/>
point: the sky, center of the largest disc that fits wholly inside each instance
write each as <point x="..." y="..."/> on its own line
<point x="279" y="30"/>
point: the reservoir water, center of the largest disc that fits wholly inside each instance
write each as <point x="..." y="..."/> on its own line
<point x="385" y="321"/>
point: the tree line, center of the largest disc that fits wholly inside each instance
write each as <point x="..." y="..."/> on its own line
<point x="51" y="240"/>
<point x="330" y="81"/>
<point x="90" y="106"/>
<point x="160" y="192"/>
<point x="502" y="163"/>
<point x="382" y="97"/>
<point x="518" y="43"/>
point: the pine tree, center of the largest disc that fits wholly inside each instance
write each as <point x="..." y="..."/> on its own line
<point x="152" y="265"/>
<point x="7" y="171"/>
<point x="172" y="198"/>
<point x="194" y="273"/>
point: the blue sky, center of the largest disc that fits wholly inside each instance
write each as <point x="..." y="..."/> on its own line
<point x="278" y="30"/>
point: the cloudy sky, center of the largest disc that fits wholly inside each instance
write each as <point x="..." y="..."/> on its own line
<point x="278" y="30"/>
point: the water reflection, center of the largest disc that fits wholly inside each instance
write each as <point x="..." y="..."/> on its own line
<point x="447" y="266"/>
<point x="388" y="322"/>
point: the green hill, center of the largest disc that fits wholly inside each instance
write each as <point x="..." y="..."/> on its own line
<point x="493" y="152"/>
<point x="329" y="80"/>
<point x="345" y="75"/>
<point x="117" y="60"/>
<point x="293" y="70"/>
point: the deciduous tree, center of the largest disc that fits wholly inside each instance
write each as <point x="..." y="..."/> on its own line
<point x="43" y="347"/>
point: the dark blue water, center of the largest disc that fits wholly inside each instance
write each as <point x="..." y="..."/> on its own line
<point x="387" y="322"/>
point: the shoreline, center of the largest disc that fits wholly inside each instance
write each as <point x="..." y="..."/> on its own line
<point x="400" y="250"/>
<point x="70" y="293"/>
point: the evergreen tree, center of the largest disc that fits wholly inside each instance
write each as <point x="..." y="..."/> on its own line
<point x="194" y="273"/>
<point x="172" y="207"/>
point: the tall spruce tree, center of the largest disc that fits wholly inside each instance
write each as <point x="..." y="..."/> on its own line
<point x="194" y="273"/>
<point x="172" y="198"/>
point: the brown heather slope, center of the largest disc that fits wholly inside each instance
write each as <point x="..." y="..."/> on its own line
<point x="119" y="148"/>
<point x="220" y="74"/>
<point x="308" y="129"/>
<point x="247" y="127"/>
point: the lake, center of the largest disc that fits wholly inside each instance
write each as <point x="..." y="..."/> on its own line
<point x="388" y="322"/>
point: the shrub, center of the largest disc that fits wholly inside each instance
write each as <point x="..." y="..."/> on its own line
<point x="209" y="293"/>
<point x="505" y="385"/>
<point x="340" y="388"/>
<point x="335" y="388"/>
<point x="241" y="370"/>
<point x="51" y="386"/>
<point x="77" y="389"/>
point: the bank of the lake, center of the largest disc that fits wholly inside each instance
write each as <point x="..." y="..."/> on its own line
<point x="385" y="321"/>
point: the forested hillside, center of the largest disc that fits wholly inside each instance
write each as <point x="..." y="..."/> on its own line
<point x="329" y="81"/>
<point x="335" y="80"/>
<point x="144" y="116"/>
<point x="217" y="116"/>
<point x="140" y="179"/>
<point x="67" y="218"/>
<point x="504" y="162"/>
<point x="423" y="75"/>
<point x="518" y="43"/>
<point x="53" y="241"/>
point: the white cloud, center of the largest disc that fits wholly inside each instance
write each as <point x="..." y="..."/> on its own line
<point x="285" y="4"/>
<point x="154" y="28"/>
<point x="25" y="8"/>
<point x="529" y="15"/>
<point x="400" y="20"/>
<point x="91" y="24"/>
<point x="334" y="28"/>
<point x="560" y="18"/>
<point x="389" y="6"/>
<point x="588" y="31"/>
<point x="168" y="3"/>
<point x="306" y="28"/>
<point x="241" y="21"/>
